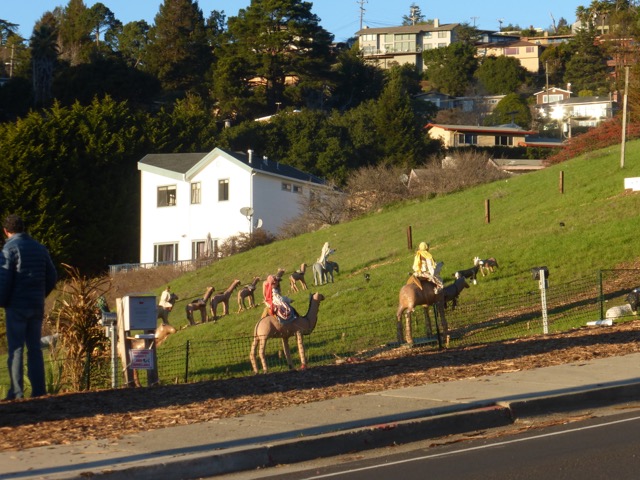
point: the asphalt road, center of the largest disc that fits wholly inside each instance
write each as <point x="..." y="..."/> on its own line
<point x="604" y="447"/>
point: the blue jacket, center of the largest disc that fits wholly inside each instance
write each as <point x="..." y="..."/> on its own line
<point x="27" y="274"/>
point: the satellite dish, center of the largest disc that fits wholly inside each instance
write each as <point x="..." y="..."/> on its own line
<point x="259" y="224"/>
<point x="246" y="211"/>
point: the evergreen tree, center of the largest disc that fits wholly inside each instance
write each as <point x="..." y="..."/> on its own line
<point x="415" y="16"/>
<point x="511" y="109"/>
<point x="450" y="69"/>
<point x="178" y="52"/>
<point x="587" y="68"/>
<point x="277" y="51"/>
<point x="74" y="31"/>
<point x="501" y="75"/>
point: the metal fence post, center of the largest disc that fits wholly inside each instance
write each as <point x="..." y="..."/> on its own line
<point x="601" y="297"/>
<point x="186" y="363"/>
<point x="543" y="300"/>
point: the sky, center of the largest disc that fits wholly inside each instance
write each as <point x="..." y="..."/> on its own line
<point x="340" y="17"/>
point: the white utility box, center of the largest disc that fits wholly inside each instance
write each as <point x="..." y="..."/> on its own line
<point x="140" y="312"/>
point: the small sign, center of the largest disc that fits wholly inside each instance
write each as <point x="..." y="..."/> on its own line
<point x="632" y="183"/>
<point x="141" y="359"/>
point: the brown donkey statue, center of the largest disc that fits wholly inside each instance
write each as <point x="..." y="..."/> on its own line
<point x="270" y="327"/>
<point x="298" y="276"/>
<point x="222" y="298"/>
<point x="409" y="298"/>
<point x="199" y="305"/>
<point x="247" y="292"/>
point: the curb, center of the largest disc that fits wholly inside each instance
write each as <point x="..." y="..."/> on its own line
<point x="233" y="460"/>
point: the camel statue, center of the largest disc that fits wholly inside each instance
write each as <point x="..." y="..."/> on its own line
<point x="410" y="297"/>
<point x="224" y="299"/>
<point x="199" y="305"/>
<point x="247" y="292"/>
<point x="270" y="327"/>
<point x="298" y="276"/>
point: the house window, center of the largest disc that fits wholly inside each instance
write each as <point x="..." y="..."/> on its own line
<point x="442" y="34"/>
<point x="530" y="49"/>
<point x="223" y="190"/>
<point x="427" y="35"/>
<point x="504" y="140"/>
<point x="467" y="138"/>
<point x="297" y="189"/>
<point x="196" y="193"/>
<point x="197" y="249"/>
<point x="442" y="45"/>
<point x="551" y="98"/>
<point x="165" y="252"/>
<point x="511" y="51"/>
<point x="286" y="187"/>
<point x="167" y="196"/>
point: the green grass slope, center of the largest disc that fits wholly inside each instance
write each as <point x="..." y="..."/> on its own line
<point x="600" y="232"/>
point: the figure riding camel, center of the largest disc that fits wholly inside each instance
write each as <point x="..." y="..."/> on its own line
<point x="277" y="304"/>
<point x="425" y="268"/>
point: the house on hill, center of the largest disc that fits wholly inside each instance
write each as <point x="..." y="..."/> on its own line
<point x="467" y="135"/>
<point x="191" y="202"/>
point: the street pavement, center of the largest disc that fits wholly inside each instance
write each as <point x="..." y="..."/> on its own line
<point x="334" y="427"/>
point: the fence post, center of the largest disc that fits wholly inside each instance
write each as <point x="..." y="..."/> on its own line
<point x="409" y="238"/>
<point x="487" y="211"/>
<point x="543" y="300"/>
<point x="601" y="297"/>
<point x="186" y="368"/>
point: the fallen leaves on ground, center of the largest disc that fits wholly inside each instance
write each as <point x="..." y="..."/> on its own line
<point x="109" y="414"/>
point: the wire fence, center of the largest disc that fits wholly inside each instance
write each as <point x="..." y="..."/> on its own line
<point x="568" y="306"/>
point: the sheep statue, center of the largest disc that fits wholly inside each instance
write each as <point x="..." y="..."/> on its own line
<point x="630" y="308"/>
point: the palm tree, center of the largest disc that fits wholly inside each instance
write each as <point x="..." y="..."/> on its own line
<point x="44" y="53"/>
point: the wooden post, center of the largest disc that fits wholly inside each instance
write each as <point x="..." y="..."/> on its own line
<point x="124" y="345"/>
<point x="561" y="181"/>
<point x="409" y="238"/>
<point x="487" y="211"/>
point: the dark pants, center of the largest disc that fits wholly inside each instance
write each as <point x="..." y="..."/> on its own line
<point x="24" y="326"/>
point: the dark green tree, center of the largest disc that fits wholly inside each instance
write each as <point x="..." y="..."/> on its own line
<point x="354" y="80"/>
<point x="101" y="20"/>
<point x="415" y="16"/>
<point x="74" y="33"/>
<point x="501" y="75"/>
<point x="178" y="52"/>
<point x="512" y="108"/>
<point x="130" y="41"/>
<point x="277" y="50"/>
<point x="450" y="69"/>
<point x="72" y="172"/>
<point x="586" y="70"/>
<point x="553" y="60"/>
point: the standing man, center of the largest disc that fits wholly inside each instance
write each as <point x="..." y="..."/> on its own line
<point x="27" y="276"/>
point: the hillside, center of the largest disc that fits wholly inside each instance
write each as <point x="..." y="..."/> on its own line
<point x="599" y="220"/>
<point x="591" y="226"/>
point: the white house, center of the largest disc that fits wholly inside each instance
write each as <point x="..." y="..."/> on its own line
<point x="191" y="201"/>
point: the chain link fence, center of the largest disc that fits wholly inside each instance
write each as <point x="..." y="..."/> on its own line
<point x="568" y="306"/>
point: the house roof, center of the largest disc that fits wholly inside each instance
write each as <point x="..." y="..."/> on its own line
<point x="507" y="44"/>
<point x="553" y="89"/>
<point x="183" y="166"/>
<point x="517" y="165"/>
<point x="423" y="27"/>
<point x="583" y="100"/>
<point x="513" y="130"/>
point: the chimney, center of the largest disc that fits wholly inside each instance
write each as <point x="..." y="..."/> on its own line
<point x="250" y="155"/>
<point x="436" y="23"/>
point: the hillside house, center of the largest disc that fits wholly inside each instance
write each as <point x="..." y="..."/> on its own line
<point x="191" y="202"/>
<point x="580" y="111"/>
<point x="467" y="135"/>
<point x="388" y="46"/>
<point x="527" y="53"/>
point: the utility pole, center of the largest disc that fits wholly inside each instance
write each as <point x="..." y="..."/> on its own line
<point x="624" y="116"/>
<point x="362" y="10"/>
<point x="474" y="20"/>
